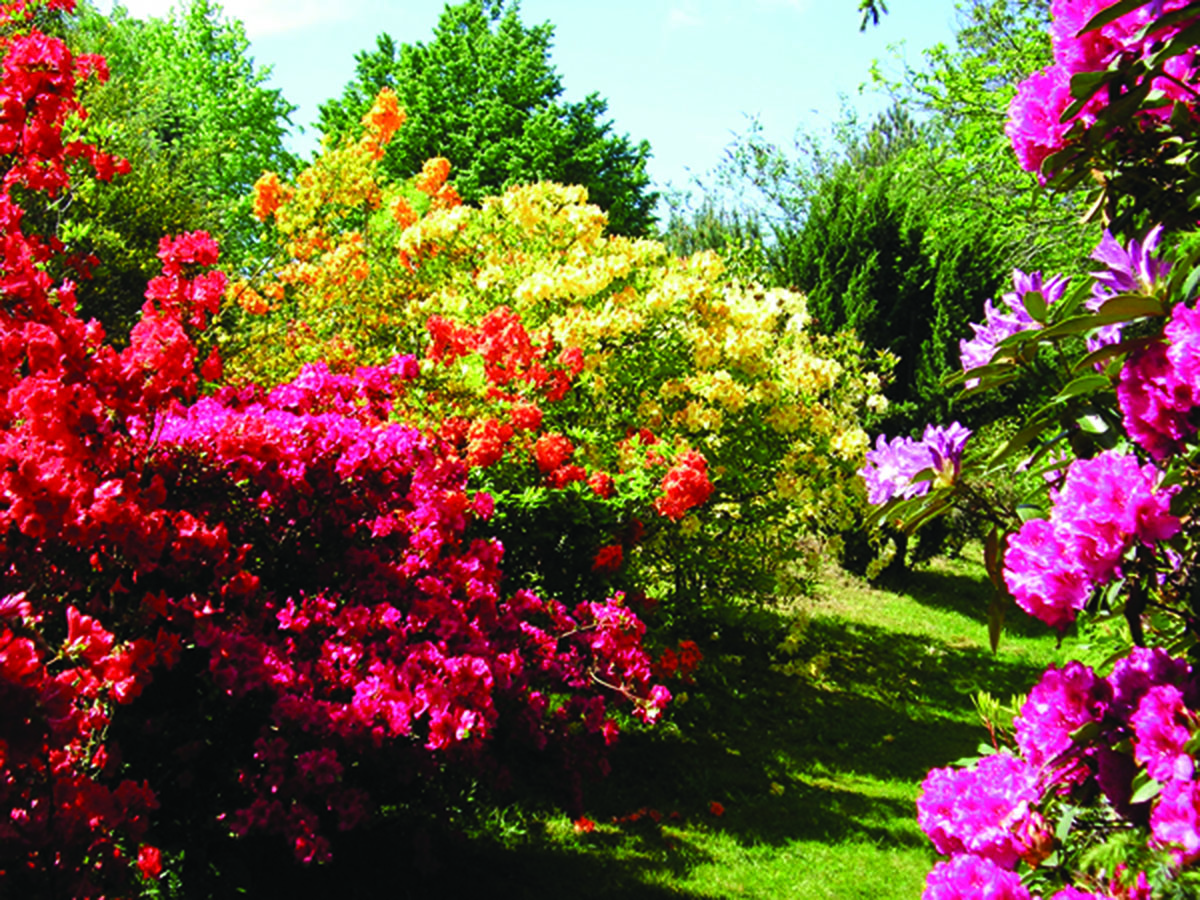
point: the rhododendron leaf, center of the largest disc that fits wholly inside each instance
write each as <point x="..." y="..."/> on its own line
<point x="1093" y="424"/>
<point x="1083" y="87"/>
<point x="1132" y="306"/>
<point x="1145" y="788"/>
<point x="1063" y="828"/>
<point x="1179" y="43"/>
<point x="1084" y="384"/>
<point x="995" y="622"/>
<point x="1085" y="733"/>
<point x="992" y="558"/>
<point x="1035" y="305"/>
<point x="1020" y="440"/>
<point x="1108" y="352"/>
<point x="1111" y="14"/>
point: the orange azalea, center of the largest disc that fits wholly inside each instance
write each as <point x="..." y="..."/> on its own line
<point x="269" y="193"/>
<point x="385" y="117"/>
<point x="403" y="213"/>
<point x="433" y="175"/>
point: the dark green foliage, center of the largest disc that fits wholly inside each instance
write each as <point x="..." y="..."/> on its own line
<point x="484" y="95"/>
<point x="868" y="259"/>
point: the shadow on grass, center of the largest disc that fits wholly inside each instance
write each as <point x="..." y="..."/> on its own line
<point x="833" y="753"/>
<point x="825" y="744"/>
<point x="963" y="594"/>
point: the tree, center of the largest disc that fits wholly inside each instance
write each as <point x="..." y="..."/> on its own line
<point x="484" y="95"/>
<point x="191" y="112"/>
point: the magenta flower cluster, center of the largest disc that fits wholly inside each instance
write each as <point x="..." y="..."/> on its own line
<point x="1159" y="388"/>
<point x="893" y="465"/>
<point x="1139" y="720"/>
<point x="1106" y="506"/>
<point x="1035" y="125"/>
<point x="1009" y="317"/>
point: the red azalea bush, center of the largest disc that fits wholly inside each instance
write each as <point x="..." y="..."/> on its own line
<point x="253" y="611"/>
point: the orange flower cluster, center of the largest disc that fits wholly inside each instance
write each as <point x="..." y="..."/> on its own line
<point x="269" y="193"/>
<point x="382" y="121"/>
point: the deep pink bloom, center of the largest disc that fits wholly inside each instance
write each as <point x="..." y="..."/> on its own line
<point x="1062" y="702"/>
<point x="1162" y="726"/>
<point x="984" y="810"/>
<point x="1034" y="123"/>
<point x="1175" y="819"/>
<point x="967" y="877"/>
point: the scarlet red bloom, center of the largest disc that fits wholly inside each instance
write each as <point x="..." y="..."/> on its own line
<point x="149" y="862"/>
<point x="552" y="450"/>
<point x="608" y="559"/>
<point x="716" y="808"/>
<point x="602" y="485"/>
<point x="584" y="825"/>
<point x="685" y="486"/>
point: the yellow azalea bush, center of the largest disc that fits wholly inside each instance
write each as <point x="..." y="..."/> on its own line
<point x="530" y="321"/>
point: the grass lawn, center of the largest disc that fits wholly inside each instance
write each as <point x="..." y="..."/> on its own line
<point x="811" y="725"/>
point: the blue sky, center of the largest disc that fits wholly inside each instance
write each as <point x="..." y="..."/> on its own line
<point x="683" y="74"/>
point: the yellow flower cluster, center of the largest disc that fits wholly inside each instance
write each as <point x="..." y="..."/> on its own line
<point x="668" y="344"/>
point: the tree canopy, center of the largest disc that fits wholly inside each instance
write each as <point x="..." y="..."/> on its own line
<point x="484" y="94"/>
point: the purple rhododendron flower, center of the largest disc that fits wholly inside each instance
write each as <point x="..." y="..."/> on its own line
<point x="1062" y="702"/>
<point x="892" y="465"/>
<point x="1127" y="269"/>
<point x="1000" y="322"/>
<point x="984" y="810"/>
<point x="1162" y="726"/>
<point x="967" y="877"/>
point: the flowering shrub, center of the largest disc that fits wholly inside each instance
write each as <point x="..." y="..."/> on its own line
<point x="1095" y="795"/>
<point x="590" y="381"/>
<point x="1116" y="107"/>
<point x="235" y="610"/>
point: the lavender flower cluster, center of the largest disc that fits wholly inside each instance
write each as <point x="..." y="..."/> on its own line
<point x="893" y="466"/>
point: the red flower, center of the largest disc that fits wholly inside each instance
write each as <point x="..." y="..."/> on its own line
<point x="685" y="486"/>
<point x="584" y="825"/>
<point x="716" y="808"/>
<point x="149" y="862"/>
<point x="551" y="451"/>
<point x="609" y="559"/>
<point x="602" y="485"/>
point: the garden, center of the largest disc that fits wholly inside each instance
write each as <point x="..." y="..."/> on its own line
<point x="395" y="523"/>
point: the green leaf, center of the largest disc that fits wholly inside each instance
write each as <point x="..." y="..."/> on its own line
<point x="1132" y="306"/>
<point x="1084" y="384"/>
<point x="1020" y="439"/>
<point x="1093" y="424"/>
<point x="1035" y="305"/>
<point x="995" y="622"/>
<point x="1144" y="788"/>
<point x="1111" y="14"/>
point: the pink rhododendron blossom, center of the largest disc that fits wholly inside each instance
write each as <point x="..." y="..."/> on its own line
<point x="1162" y="726"/>
<point x="967" y="877"/>
<point x="1141" y="669"/>
<point x="1062" y="702"/>
<point x="1035" y="125"/>
<point x="1106" y="505"/>
<point x="983" y="810"/>
<point x="1175" y="819"/>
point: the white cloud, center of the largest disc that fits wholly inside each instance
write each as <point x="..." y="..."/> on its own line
<point x="683" y="17"/>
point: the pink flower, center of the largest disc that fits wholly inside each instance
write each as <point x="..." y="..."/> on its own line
<point x="1062" y="702"/>
<point x="981" y="810"/>
<point x="1034" y="118"/>
<point x="966" y="877"/>
<point x="1175" y="819"/>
